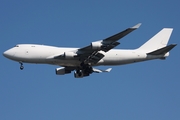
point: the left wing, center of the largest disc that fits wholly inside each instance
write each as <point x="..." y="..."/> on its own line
<point x="100" y="71"/>
<point x="91" y="54"/>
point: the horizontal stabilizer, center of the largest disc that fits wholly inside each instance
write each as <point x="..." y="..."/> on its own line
<point x="163" y="50"/>
<point x="100" y="71"/>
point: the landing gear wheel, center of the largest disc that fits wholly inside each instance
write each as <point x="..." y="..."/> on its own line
<point x="79" y="72"/>
<point x="21" y="67"/>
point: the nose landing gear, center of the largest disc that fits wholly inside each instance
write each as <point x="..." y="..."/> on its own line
<point x="21" y="66"/>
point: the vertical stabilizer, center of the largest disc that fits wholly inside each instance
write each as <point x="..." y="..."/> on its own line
<point x="158" y="41"/>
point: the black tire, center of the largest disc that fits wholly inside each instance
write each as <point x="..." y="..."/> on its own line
<point x="21" y="67"/>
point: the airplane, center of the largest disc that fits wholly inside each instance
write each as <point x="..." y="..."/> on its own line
<point x="83" y="60"/>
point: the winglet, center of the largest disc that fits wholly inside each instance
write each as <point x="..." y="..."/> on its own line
<point x="136" y="26"/>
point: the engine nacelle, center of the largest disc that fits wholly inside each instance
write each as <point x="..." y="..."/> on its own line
<point x="62" y="71"/>
<point x="96" y="45"/>
<point x="69" y="55"/>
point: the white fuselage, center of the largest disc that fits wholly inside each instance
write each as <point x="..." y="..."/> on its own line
<point x="32" y="53"/>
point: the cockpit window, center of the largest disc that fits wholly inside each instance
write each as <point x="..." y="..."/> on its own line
<point x="17" y="46"/>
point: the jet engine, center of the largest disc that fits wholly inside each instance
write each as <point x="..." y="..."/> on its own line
<point x="62" y="71"/>
<point x="69" y="55"/>
<point x="96" y="45"/>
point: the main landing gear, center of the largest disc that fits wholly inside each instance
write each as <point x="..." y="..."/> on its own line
<point x="21" y="66"/>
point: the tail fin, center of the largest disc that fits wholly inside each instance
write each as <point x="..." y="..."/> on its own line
<point x="158" y="41"/>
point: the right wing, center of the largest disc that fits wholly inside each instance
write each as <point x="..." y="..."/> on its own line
<point x="93" y="53"/>
<point x="90" y="54"/>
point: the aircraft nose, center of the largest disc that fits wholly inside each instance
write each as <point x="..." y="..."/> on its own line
<point x="5" y="54"/>
<point x="8" y="54"/>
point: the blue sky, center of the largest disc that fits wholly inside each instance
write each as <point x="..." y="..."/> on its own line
<point x="141" y="91"/>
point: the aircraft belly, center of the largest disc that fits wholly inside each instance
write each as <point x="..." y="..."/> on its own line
<point x="63" y="62"/>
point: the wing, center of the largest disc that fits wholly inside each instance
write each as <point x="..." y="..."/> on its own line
<point x="91" y="54"/>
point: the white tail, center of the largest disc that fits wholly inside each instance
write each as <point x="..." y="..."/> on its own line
<point x="158" y="41"/>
